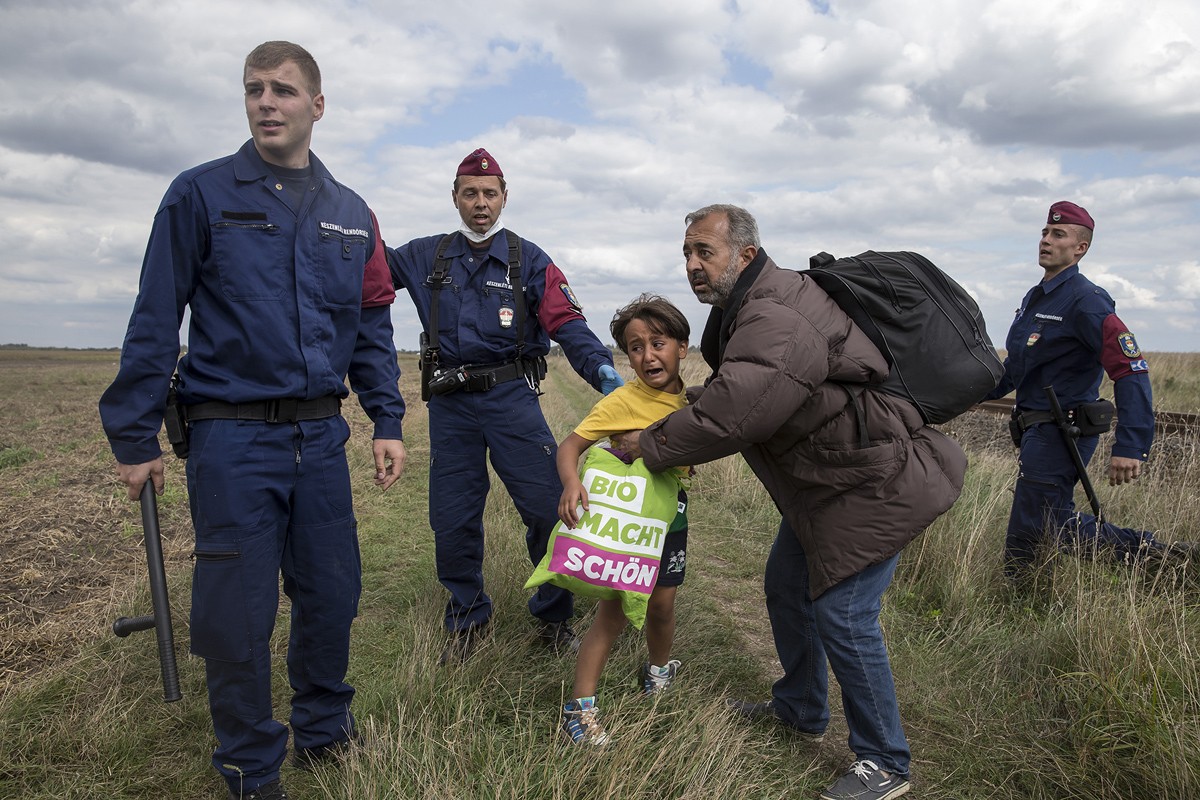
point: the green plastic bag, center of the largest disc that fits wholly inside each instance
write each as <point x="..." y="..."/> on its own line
<point x="615" y="551"/>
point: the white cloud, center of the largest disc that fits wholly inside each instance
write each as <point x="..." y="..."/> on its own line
<point x="937" y="126"/>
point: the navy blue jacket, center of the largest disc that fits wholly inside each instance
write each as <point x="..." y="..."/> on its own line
<point x="476" y="314"/>
<point x="1067" y="334"/>
<point x="283" y="304"/>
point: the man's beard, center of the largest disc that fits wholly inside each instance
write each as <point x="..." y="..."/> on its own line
<point x="717" y="293"/>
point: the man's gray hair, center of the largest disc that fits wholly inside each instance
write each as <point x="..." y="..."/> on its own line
<point x="743" y="230"/>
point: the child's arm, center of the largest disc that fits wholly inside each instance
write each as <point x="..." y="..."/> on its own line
<point x="573" y="494"/>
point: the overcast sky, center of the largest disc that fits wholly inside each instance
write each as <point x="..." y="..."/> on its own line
<point x="941" y="126"/>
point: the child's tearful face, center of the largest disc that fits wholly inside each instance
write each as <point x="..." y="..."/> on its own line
<point x="654" y="356"/>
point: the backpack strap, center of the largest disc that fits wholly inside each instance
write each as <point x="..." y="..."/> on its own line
<point x="821" y="259"/>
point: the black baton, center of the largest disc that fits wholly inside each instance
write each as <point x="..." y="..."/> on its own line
<point x="1070" y="434"/>
<point x="160" y="620"/>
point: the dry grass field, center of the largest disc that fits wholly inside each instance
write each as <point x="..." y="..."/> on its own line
<point x="1088" y="689"/>
<point x="69" y="543"/>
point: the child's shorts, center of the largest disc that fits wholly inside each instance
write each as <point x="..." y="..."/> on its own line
<point x="674" y="556"/>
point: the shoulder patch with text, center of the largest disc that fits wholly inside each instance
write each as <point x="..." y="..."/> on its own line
<point x="571" y="299"/>
<point x="1129" y="345"/>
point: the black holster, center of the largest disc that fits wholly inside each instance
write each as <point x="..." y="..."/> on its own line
<point x="483" y="377"/>
<point x="429" y="360"/>
<point x="175" y="421"/>
<point x="1088" y="419"/>
<point x="1096" y="418"/>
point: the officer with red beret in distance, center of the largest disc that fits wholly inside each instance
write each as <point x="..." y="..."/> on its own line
<point x="1067" y="335"/>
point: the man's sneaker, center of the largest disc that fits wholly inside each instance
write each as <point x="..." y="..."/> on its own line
<point x="581" y="722"/>
<point x="866" y="781"/>
<point x="463" y="644"/>
<point x="766" y="712"/>
<point x="653" y="679"/>
<point x="559" y="637"/>
<point x="268" y="791"/>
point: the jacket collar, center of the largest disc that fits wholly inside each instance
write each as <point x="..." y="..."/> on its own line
<point x="497" y="248"/>
<point x="720" y="320"/>
<point x="1059" y="279"/>
<point x="248" y="165"/>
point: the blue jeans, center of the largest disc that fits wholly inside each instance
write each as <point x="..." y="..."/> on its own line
<point x="840" y="628"/>
<point x="1045" y="497"/>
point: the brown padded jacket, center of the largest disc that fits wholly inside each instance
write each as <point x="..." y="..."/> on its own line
<point x="777" y="397"/>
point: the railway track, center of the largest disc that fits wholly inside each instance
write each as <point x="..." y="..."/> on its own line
<point x="1164" y="421"/>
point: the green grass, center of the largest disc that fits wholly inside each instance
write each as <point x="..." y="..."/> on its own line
<point x="16" y="456"/>
<point x="1088" y="686"/>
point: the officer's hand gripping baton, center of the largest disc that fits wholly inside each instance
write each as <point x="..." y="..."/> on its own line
<point x="1070" y="434"/>
<point x="160" y="620"/>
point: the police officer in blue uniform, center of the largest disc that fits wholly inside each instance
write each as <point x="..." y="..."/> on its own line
<point x="1067" y="334"/>
<point x="490" y="303"/>
<point x="286" y="277"/>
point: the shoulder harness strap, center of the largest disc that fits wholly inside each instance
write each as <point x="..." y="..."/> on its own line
<point x="437" y="279"/>
<point x="514" y="280"/>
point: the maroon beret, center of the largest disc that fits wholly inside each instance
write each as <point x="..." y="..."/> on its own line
<point x="1067" y="213"/>
<point x="480" y="163"/>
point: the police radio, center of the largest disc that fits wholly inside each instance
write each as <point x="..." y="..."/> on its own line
<point x="429" y="360"/>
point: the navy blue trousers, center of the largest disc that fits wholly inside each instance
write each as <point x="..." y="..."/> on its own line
<point x="465" y="429"/>
<point x="1045" y="500"/>
<point x="268" y="498"/>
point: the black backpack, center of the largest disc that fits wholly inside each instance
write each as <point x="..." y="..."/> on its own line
<point x="926" y="326"/>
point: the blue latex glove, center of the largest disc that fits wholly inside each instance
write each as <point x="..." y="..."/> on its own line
<point x="609" y="379"/>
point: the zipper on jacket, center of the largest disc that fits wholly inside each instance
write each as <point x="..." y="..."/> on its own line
<point x="253" y="226"/>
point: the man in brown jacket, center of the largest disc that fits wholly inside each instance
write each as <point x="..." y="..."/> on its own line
<point x="855" y="473"/>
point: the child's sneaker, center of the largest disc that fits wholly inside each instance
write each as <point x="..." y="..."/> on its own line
<point x="659" y="679"/>
<point x="581" y="722"/>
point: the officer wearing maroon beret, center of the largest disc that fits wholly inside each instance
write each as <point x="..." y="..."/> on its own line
<point x="1067" y="335"/>
<point x="490" y="302"/>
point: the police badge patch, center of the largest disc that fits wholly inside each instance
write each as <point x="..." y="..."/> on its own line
<point x="567" y="293"/>
<point x="1129" y="345"/>
<point x="1032" y="340"/>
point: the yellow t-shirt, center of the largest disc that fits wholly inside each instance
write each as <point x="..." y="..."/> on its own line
<point x="628" y="408"/>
